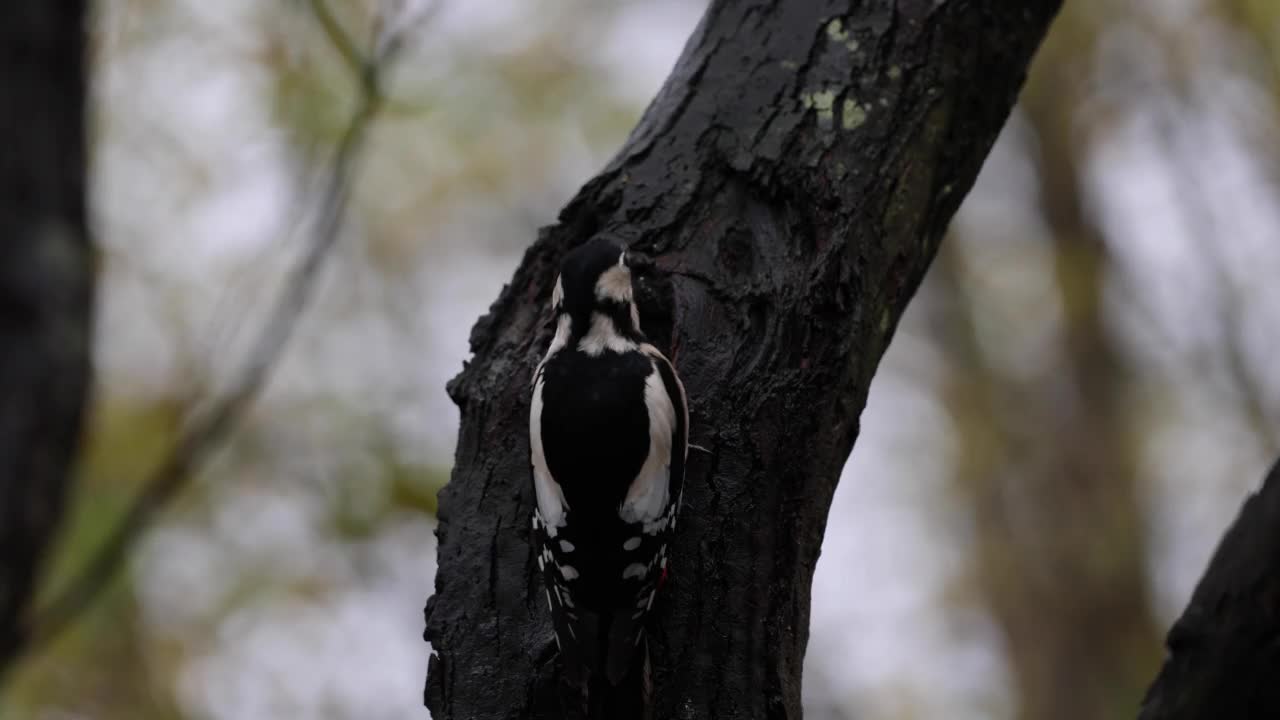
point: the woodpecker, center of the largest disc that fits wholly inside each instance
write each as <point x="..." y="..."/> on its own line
<point x="608" y="432"/>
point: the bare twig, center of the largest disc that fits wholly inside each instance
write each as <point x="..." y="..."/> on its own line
<point x="209" y="428"/>
<point x="337" y="36"/>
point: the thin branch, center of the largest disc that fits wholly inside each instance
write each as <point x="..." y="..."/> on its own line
<point x="338" y="37"/>
<point x="208" y="429"/>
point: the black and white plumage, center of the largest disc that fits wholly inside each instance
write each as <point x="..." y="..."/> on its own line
<point x="608" y="431"/>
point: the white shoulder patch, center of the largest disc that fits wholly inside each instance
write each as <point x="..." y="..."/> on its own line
<point x="551" y="502"/>
<point x="658" y="357"/>
<point x="648" y="496"/>
<point x="557" y="294"/>
<point x="604" y="336"/>
<point x="561" y="337"/>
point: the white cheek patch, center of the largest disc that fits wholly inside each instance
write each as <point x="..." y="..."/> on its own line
<point x="614" y="284"/>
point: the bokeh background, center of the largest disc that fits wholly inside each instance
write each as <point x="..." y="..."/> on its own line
<point x="1068" y="418"/>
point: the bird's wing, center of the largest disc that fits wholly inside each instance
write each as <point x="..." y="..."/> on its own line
<point x="650" y="508"/>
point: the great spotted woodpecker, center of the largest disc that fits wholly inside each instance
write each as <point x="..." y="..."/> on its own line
<point x="608" y="432"/>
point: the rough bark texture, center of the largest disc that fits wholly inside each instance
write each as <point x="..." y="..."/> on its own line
<point x="1223" y="656"/>
<point x="46" y="284"/>
<point x="792" y="181"/>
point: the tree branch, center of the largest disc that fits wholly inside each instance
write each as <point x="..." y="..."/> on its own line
<point x="1223" y="657"/>
<point x="792" y="181"/>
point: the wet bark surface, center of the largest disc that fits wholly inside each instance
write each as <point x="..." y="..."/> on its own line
<point x="791" y="182"/>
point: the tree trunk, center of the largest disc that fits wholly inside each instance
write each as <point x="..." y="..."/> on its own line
<point x="792" y="181"/>
<point x="46" y="285"/>
<point x="1223" y="658"/>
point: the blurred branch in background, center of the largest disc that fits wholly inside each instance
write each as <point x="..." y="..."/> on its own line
<point x="1048" y="457"/>
<point x="1228" y="302"/>
<point x="1066" y="477"/>
<point x="1047" y="466"/>
<point x="211" y="425"/>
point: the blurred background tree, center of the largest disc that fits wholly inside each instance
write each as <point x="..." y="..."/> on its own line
<point x="1053" y="445"/>
<point x="46" y="290"/>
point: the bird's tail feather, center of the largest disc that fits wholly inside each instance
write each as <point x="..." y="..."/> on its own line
<point x="628" y="699"/>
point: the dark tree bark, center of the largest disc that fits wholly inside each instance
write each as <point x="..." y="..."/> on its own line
<point x="46" y="285"/>
<point x="1223" y="658"/>
<point x="792" y="181"/>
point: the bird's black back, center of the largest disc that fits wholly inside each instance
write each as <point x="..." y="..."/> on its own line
<point x="595" y="434"/>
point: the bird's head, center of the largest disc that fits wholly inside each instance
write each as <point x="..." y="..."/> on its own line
<point x="595" y="280"/>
